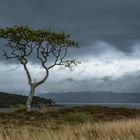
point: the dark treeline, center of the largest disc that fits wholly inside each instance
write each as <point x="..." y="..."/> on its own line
<point x="7" y="100"/>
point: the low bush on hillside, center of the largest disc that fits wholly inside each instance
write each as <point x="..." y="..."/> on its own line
<point x="78" y="117"/>
<point x="17" y="108"/>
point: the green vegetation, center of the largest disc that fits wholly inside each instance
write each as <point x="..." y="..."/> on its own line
<point x="8" y="100"/>
<point x="78" y="117"/>
<point x="17" y="107"/>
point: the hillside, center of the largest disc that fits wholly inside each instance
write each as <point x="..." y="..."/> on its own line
<point x="93" y="97"/>
<point x="55" y="117"/>
<point x="7" y="100"/>
<point x="78" y="123"/>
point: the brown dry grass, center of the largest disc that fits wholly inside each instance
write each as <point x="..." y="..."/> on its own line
<point x="78" y="123"/>
<point x="116" y="130"/>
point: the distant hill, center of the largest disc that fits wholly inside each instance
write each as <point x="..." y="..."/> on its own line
<point x="93" y="97"/>
<point x="6" y="100"/>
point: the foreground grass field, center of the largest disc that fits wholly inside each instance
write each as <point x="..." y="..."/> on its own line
<point x="79" y="123"/>
<point x="116" y="130"/>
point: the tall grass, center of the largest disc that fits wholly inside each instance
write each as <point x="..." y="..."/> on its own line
<point x="116" y="130"/>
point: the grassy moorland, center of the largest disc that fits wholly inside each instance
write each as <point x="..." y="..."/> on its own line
<point x="78" y="123"/>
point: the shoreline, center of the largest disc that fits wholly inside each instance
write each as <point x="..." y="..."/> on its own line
<point x="71" y="105"/>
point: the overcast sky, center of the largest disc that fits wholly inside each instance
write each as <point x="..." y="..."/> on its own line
<point x="108" y="32"/>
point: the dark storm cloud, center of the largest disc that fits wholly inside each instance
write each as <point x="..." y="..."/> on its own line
<point x="129" y="82"/>
<point x="116" y="22"/>
<point x="107" y="27"/>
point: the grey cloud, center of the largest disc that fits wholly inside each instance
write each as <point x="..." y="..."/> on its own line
<point x="14" y="80"/>
<point x="111" y="21"/>
<point x="70" y="80"/>
<point x="127" y="83"/>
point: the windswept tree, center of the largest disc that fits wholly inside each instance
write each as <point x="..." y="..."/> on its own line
<point x="49" y="48"/>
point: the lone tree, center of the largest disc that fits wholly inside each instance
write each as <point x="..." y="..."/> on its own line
<point x="50" y="48"/>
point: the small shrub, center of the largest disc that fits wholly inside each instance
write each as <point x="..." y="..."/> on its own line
<point x="78" y="117"/>
<point x="17" y="108"/>
<point x="43" y="110"/>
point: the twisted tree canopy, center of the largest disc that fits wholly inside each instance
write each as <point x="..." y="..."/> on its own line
<point x="24" y="40"/>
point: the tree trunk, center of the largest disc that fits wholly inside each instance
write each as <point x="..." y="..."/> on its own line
<point x="30" y="97"/>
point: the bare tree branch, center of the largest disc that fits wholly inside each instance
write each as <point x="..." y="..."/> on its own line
<point x="43" y="80"/>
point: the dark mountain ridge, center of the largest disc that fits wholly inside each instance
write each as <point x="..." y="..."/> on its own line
<point x="93" y="97"/>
